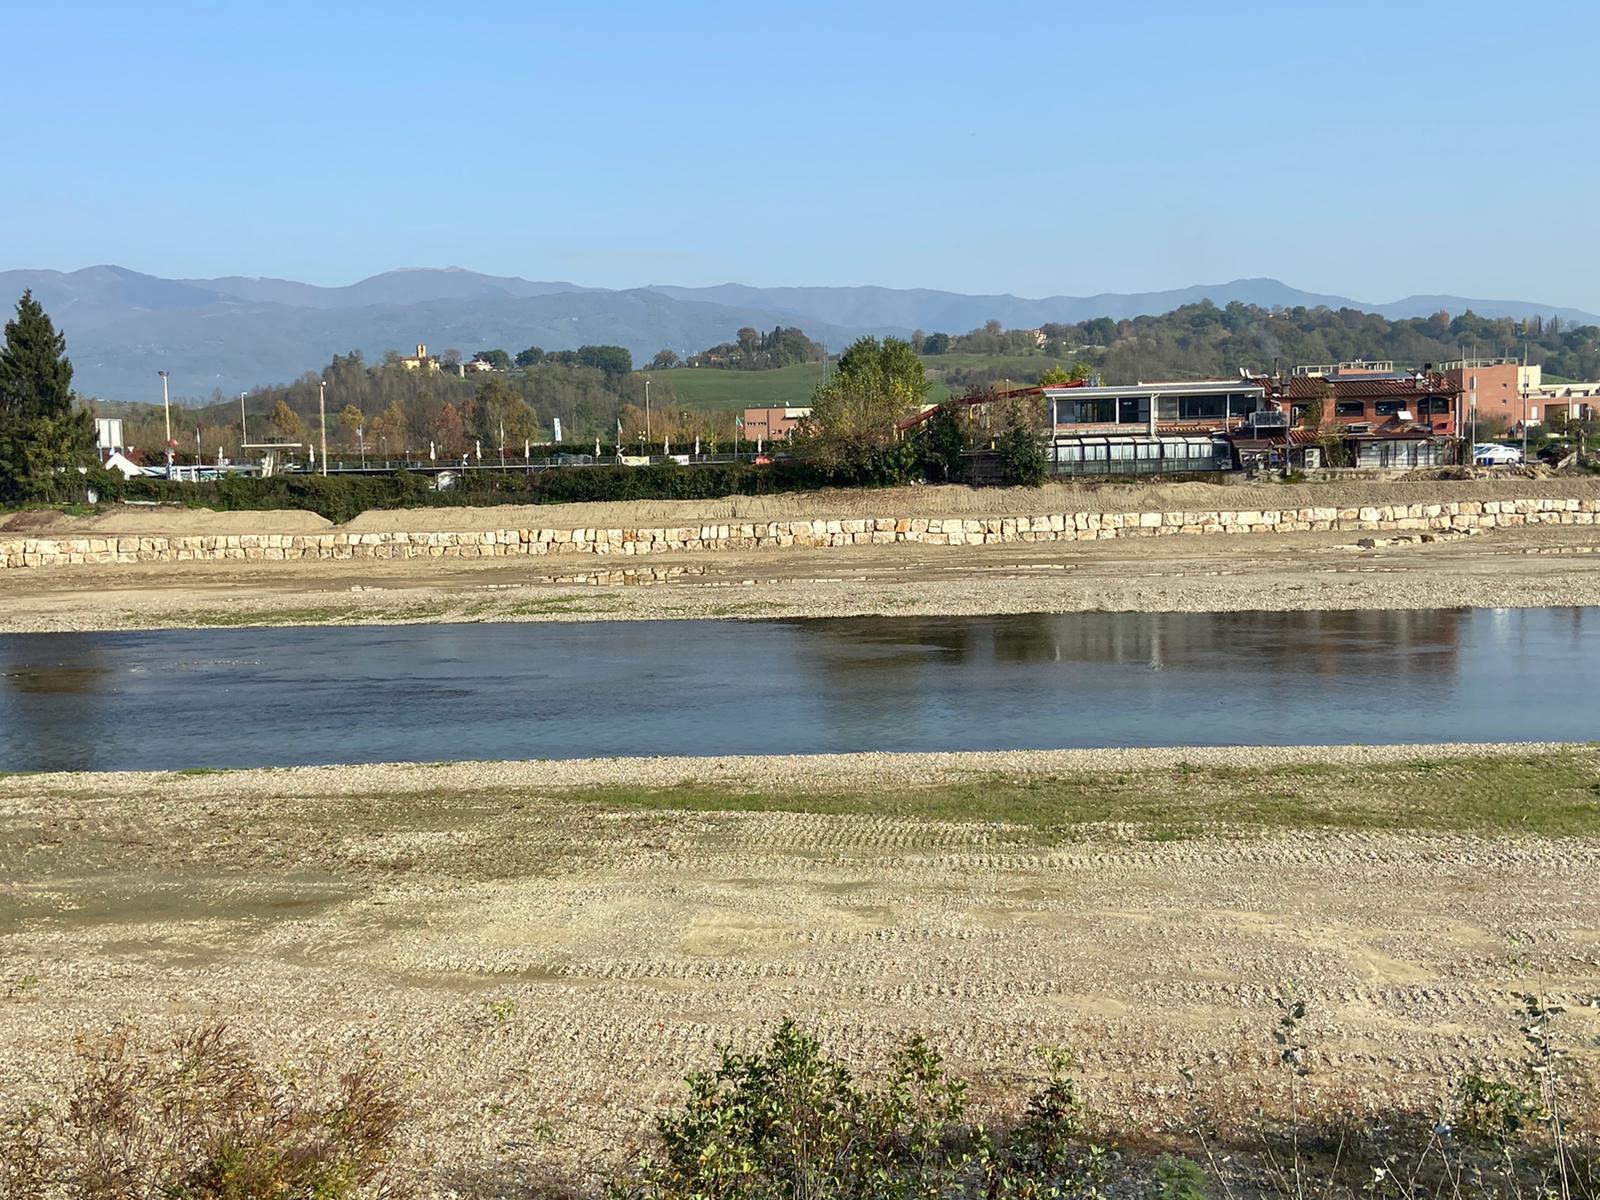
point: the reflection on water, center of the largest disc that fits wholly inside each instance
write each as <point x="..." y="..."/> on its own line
<point x="425" y="693"/>
<point x="1325" y="642"/>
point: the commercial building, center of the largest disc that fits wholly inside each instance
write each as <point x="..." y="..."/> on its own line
<point x="1498" y="390"/>
<point x="772" y="424"/>
<point x="1565" y="401"/>
<point x="1149" y="428"/>
<point x="1397" y="420"/>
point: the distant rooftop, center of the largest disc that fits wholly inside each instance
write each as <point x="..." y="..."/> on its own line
<point x="1355" y="366"/>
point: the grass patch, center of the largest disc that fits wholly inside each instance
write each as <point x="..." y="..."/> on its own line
<point x="712" y="390"/>
<point x="1546" y="796"/>
<point x="554" y="604"/>
<point x="263" y="617"/>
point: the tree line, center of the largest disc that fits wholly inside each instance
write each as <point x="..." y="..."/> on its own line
<point x="390" y="410"/>
<point x="751" y="350"/>
<point x="1207" y="340"/>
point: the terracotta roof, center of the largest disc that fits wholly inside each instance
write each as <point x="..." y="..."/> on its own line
<point x="1309" y="387"/>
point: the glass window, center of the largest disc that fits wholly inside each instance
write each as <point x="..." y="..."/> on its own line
<point x="1350" y="408"/>
<point x="1133" y="410"/>
<point x="1086" y="412"/>
<point x="1167" y="408"/>
<point x="1388" y="408"/>
<point x="1202" y="408"/>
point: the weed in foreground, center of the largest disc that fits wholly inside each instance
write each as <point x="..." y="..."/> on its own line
<point x="199" y="1118"/>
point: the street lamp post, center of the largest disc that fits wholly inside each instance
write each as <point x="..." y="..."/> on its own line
<point x="647" y="410"/>
<point x="322" y="414"/>
<point x="166" y="405"/>
<point x="244" y="434"/>
<point x="1524" y="383"/>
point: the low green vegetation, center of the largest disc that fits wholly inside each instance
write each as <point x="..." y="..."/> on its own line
<point x="712" y="390"/>
<point x="198" y="1115"/>
<point x="788" y="1121"/>
<point x="1554" y="795"/>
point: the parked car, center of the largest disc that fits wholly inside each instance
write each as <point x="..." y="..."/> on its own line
<point x="1492" y="454"/>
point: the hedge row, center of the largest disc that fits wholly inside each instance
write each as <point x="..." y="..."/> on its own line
<point x="340" y="498"/>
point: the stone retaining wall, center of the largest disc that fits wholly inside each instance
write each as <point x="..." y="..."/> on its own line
<point x="757" y="535"/>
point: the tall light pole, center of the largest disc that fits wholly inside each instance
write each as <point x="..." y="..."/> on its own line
<point x="1472" y="399"/>
<point x="244" y="434"/>
<point x="322" y="414"/>
<point x="166" y="405"/>
<point x="647" y="409"/>
<point x="1522" y="382"/>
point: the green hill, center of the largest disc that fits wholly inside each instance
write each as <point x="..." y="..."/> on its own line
<point x="711" y="390"/>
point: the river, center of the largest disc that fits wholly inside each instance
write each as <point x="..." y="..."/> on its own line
<point x="424" y="693"/>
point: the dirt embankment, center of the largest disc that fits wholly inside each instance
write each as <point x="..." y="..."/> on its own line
<point x="165" y="520"/>
<point x="938" y="501"/>
<point x="916" y="501"/>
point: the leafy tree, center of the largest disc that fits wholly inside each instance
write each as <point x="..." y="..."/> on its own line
<point x="853" y="415"/>
<point x="757" y="351"/>
<point x="450" y="431"/>
<point x="1057" y="376"/>
<point x="43" y="436"/>
<point x="1024" y="461"/>
<point x="498" y="411"/>
<point x="943" y="442"/>
<point x="613" y="360"/>
<point x="351" y="423"/>
<point x="288" y="425"/>
<point x="391" y="429"/>
<point x="936" y="343"/>
<point x="498" y="359"/>
<point x="531" y="357"/>
<point x="664" y="360"/>
<point x="1099" y="332"/>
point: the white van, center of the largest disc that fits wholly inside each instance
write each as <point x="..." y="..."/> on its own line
<point x="1492" y="454"/>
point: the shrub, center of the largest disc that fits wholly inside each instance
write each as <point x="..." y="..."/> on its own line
<point x="790" y="1122"/>
<point x="343" y="497"/>
<point x="1024" y="462"/>
<point x="199" y="1117"/>
<point x="1180" y="1178"/>
<point x="1493" y="1110"/>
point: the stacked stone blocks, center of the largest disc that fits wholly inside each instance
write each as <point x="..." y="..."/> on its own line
<point x="813" y="533"/>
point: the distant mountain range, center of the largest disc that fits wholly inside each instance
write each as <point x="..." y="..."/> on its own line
<point x="235" y="333"/>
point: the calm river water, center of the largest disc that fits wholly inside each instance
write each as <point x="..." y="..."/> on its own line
<point x="260" y="697"/>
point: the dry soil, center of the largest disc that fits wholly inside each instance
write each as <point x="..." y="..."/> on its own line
<point x="546" y="959"/>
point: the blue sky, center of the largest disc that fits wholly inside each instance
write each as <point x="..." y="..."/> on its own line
<point x="1368" y="149"/>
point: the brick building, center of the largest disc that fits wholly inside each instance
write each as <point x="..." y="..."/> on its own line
<point x="1506" y="391"/>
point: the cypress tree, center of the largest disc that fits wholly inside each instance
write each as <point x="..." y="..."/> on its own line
<point x="43" y="438"/>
